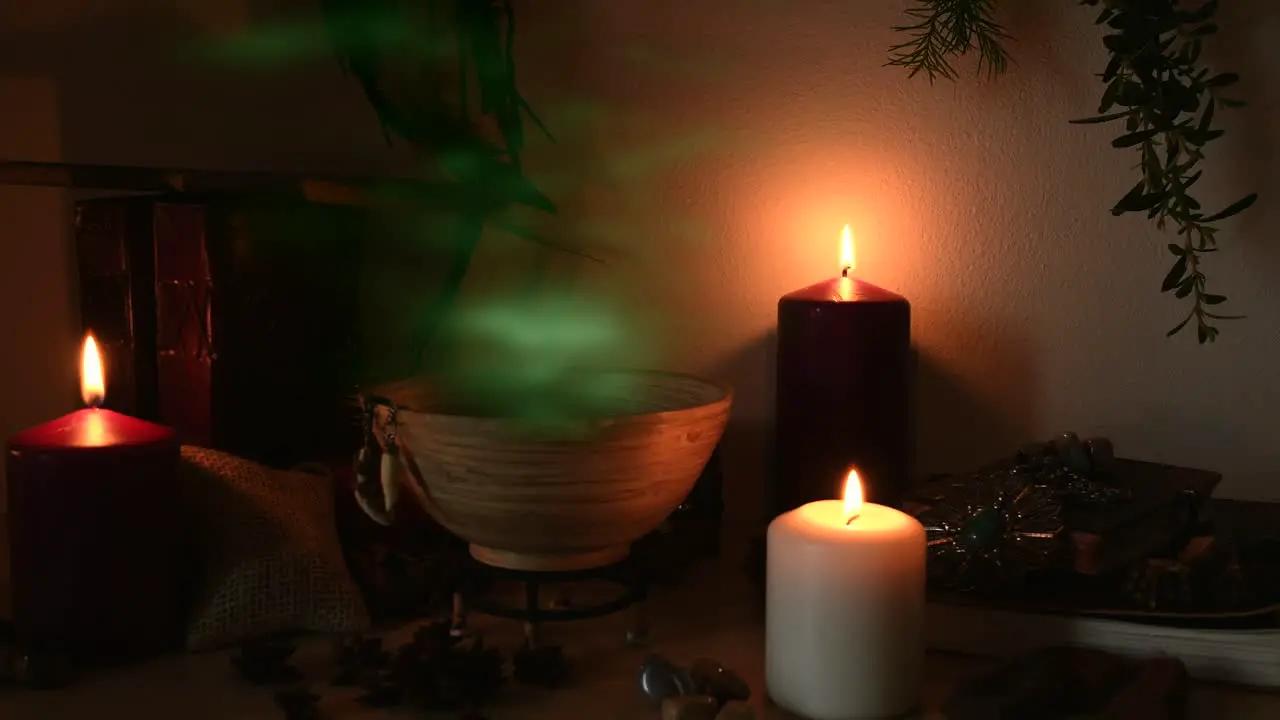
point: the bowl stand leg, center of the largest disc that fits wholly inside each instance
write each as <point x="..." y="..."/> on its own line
<point x="458" y="619"/>
<point x="531" y="605"/>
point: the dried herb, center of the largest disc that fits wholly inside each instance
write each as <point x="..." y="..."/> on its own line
<point x="541" y="666"/>
<point x="298" y="704"/>
<point x="1156" y="87"/>
<point x="435" y="671"/>
<point x="441" y="76"/>
<point x="355" y="658"/>
<point x="380" y="693"/>
<point x="946" y="29"/>
<point x="266" y="662"/>
<point x="1166" y="100"/>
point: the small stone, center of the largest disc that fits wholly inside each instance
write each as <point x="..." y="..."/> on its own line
<point x="981" y="531"/>
<point x="661" y="679"/>
<point x="712" y="678"/>
<point x="690" y="707"/>
<point x="43" y="671"/>
<point x="1072" y="453"/>
<point x="1034" y="452"/>
<point x="736" y="710"/>
<point x="1101" y="454"/>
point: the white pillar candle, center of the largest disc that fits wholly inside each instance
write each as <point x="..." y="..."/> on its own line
<point x="845" y="609"/>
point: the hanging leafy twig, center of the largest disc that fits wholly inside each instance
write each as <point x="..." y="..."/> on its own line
<point x="946" y="29"/>
<point x="1168" y="100"/>
<point x="462" y="109"/>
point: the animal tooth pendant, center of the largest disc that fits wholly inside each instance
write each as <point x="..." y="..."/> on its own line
<point x="371" y="501"/>
<point x="389" y="472"/>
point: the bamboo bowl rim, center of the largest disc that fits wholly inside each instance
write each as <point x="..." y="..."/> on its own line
<point x="413" y="387"/>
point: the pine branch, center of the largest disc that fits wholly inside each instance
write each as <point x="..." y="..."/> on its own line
<point x="947" y="29"/>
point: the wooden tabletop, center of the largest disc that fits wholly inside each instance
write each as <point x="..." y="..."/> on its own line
<point x="713" y="615"/>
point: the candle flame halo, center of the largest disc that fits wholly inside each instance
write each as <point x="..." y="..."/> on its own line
<point x="852" y="497"/>
<point x="93" y="388"/>
<point x="848" y="252"/>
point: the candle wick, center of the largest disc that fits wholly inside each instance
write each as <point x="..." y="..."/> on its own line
<point x="851" y="519"/>
<point x="844" y="272"/>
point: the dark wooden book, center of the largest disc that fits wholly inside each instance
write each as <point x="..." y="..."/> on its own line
<point x="233" y="319"/>
<point x="1166" y="502"/>
<point x="116" y="276"/>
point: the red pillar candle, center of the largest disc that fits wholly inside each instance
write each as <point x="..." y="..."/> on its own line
<point x="844" y="350"/>
<point x="94" y="533"/>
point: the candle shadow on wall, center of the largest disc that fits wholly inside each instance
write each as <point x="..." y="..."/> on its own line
<point x="967" y="416"/>
<point x="747" y="448"/>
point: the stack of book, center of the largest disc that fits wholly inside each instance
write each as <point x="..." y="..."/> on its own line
<point x="1240" y="646"/>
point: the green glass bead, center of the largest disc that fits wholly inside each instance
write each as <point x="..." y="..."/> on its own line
<point x="983" y="530"/>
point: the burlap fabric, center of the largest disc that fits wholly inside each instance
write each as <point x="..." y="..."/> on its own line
<point x="270" y="560"/>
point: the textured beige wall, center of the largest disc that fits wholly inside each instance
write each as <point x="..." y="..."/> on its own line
<point x="716" y="147"/>
<point x="725" y="142"/>
<point x="37" y="304"/>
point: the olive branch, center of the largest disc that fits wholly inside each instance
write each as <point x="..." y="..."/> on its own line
<point x="1156" y="87"/>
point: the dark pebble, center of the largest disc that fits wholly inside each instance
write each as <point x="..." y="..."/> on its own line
<point x="1072" y="453"/>
<point x="1034" y="452"/>
<point x="690" y="707"/>
<point x="712" y="678"/>
<point x="1101" y="454"/>
<point x="661" y="679"/>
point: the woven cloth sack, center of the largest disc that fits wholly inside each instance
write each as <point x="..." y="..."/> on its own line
<point x="271" y="561"/>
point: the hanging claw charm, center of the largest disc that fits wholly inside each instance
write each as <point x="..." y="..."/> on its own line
<point x="377" y="463"/>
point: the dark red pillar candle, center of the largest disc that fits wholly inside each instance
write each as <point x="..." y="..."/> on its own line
<point x="844" y="349"/>
<point x="94" y="537"/>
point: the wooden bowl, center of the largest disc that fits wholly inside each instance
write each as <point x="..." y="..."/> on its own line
<point x="535" y="501"/>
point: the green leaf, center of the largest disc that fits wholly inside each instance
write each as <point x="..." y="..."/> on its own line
<point x="1100" y="118"/>
<point x="1112" y="69"/>
<point x="1185" y="287"/>
<point x="1222" y="80"/>
<point x="1120" y="44"/>
<point x="1234" y="208"/>
<point x="1175" y="275"/>
<point x="1177" y="249"/>
<point x="1137" y="201"/>
<point x="1133" y="138"/>
<point x="1179" y="326"/>
<point x="1197" y="138"/>
<point x="1132" y="93"/>
<point x="1110" y="96"/>
<point x="1207" y="118"/>
<point x="1204" y="12"/>
<point x="1213" y="299"/>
